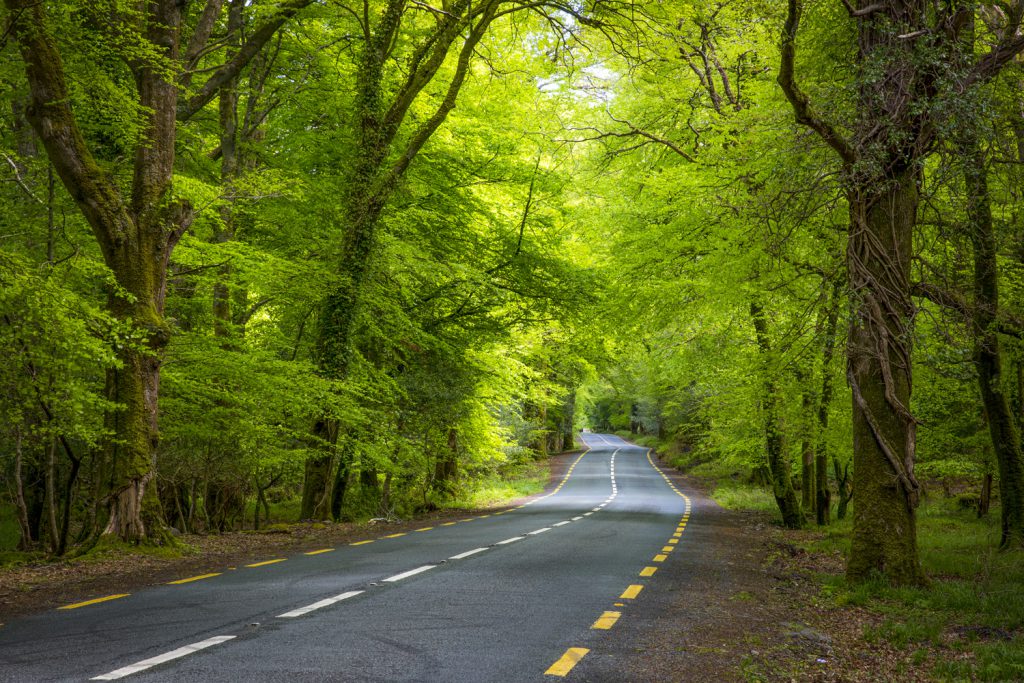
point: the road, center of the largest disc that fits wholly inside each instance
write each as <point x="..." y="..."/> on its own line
<point x="522" y="595"/>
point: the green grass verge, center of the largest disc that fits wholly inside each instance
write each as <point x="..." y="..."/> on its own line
<point x="497" y="489"/>
<point x="971" y="615"/>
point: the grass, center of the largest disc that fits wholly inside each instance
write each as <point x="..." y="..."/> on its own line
<point x="972" y="612"/>
<point x="969" y="619"/>
<point x="497" y="489"/>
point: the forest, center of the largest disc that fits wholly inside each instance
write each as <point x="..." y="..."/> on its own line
<point x="320" y="260"/>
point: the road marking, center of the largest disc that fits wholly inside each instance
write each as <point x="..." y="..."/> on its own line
<point x="539" y="531"/>
<point x="361" y="542"/>
<point x="631" y="592"/>
<point x="606" y="620"/>
<point x="94" y="601"/>
<point x="648" y="571"/>
<point x="319" y="552"/>
<point x="193" y="578"/>
<point x="327" y="602"/>
<point x="564" y="523"/>
<point x="567" y="661"/>
<point x="401" y="533"/>
<point x="576" y="518"/>
<point x="462" y="556"/>
<point x="677" y="534"/>
<point x="449" y="524"/>
<point x="673" y="540"/>
<point x="500" y="513"/>
<point x="667" y="549"/>
<point x="587" y="514"/>
<point x="660" y="558"/>
<point x="483" y="516"/>
<point x="411" y="572"/>
<point x="264" y="563"/>
<point x="510" y="540"/>
<point x="160" y="659"/>
<point x="426" y="528"/>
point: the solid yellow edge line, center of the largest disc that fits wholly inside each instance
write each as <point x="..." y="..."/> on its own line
<point x="193" y="578"/>
<point x="266" y="562"/>
<point x="94" y="601"/>
<point x="567" y="661"/>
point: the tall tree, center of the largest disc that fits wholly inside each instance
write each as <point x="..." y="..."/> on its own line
<point x="136" y="233"/>
<point x="902" y="47"/>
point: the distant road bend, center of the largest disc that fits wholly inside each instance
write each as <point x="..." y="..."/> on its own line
<point x="521" y="595"/>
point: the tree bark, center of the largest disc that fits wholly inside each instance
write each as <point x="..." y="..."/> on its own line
<point x="987" y="355"/>
<point x="823" y="495"/>
<point x="778" y="463"/>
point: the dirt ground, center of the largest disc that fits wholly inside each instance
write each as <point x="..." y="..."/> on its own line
<point x="750" y="608"/>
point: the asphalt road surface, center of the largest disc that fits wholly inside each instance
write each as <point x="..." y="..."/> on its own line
<point x="522" y="595"/>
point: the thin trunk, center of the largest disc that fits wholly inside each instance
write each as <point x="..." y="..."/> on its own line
<point x="987" y="358"/>
<point x="985" y="496"/>
<point x="51" y="495"/>
<point x="778" y="462"/>
<point x="823" y="495"/>
<point x="19" y="494"/>
<point x="807" y="481"/>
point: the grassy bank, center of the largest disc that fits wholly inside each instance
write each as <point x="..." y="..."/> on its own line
<point x="966" y="624"/>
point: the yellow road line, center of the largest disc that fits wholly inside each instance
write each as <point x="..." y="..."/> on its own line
<point x="567" y="661"/>
<point x="319" y="552"/>
<point x="193" y="578"/>
<point x="660" y="558"/>
<point x="631" y="592"/>
<point x="361" y="542"/>
<point x="483" y="516"/>
<point x="606" y="620"/>
<point x="648" y="571"/>
<point x="402" y="533"/>
<point x="667" y="549"/>
<point x="94" y="601"/>
<point x="449" y="524"/>
<point x="266" y="562"/>
<point x="673" y="540"/>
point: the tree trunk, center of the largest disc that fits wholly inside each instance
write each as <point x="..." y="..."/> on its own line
<point x="778" y="462"/>
<point x="136" y="237"/>
<point x="807" y="481"/>
<point x="987" y="358"/>
<point x="823" y="495"/>
<point x="985" y="496"/>
<point x="879" y="372"/>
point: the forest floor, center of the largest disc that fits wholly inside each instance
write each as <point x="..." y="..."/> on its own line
<point x="756" y="611"/>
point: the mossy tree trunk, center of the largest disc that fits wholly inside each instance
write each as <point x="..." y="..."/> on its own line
<point x="987" y="354"/>
<point x="136" y="234"/>
<point x="775" y="438"/>
<point x="823" y="495"/>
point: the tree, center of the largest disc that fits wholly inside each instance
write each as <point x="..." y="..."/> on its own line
<point x="137" y="233"/>
<point x="901" y="49"/>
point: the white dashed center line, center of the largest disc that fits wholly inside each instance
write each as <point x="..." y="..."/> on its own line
<point x="160" y="659"/>
<point x="411" y="572"/>
<point x="327" y="602"/>
<point x="462" y="556"/>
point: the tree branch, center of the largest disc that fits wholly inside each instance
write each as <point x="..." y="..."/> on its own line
<point x="805" y="113"/>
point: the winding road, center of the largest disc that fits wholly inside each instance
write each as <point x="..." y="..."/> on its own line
<point x="520" y="595"/>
